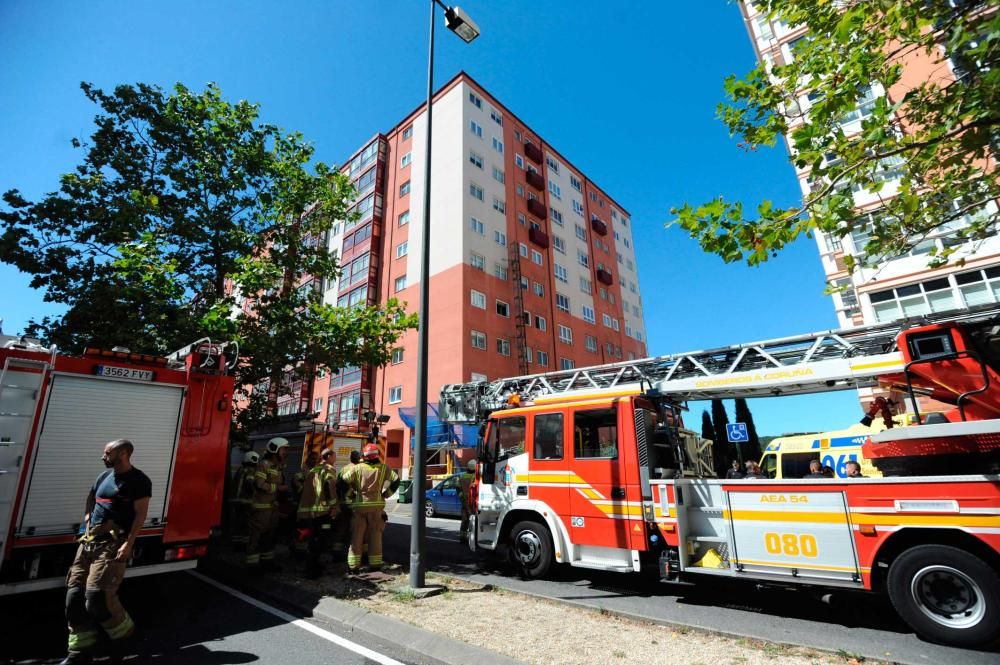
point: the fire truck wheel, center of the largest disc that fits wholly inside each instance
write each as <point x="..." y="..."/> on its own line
<point x="530" y="548"/>
<point x="946" y="595"/>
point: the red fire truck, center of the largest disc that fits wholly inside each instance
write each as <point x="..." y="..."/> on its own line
<point x="593" y="468"/>
<point x="56" y="413"/>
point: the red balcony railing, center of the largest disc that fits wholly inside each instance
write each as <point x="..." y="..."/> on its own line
<point x="539" y="237"/>
<point x="535" y="179"/>
<point x="537" y="208"/>
<point x="598" y="225"/>
<point x="533" y="152"/>
<point x="604" y="277"/>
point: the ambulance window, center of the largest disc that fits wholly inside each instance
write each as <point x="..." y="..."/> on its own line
<point x="509" y="438"/>
<point x="769" y="466"/>
<point x="549" y="436"/>
<point x="796" y="465"/>
<point x="595" y="434"/>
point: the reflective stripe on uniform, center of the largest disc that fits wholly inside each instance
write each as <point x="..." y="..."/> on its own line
<point x="81" y="641"/>
<point x="120" y="631"/>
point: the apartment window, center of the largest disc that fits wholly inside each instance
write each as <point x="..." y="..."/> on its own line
<point x="586" y="286"/>
<point x="833" y="243"/>
<point x="405" y="160"/>
<point x="935" y="295"/>
<point x="588" y="314"/>
<point x="520" y="190"/>
<point x="500" y="271"/>
<point x="556" y="216"/>
<point x="478" y="299"/>
<point x="611" y="297"/>
<point x="397" y="356"/>
<point x="408" y="133"/>
<point x="475" y="159"/>
<point x="503" y="346"/>
<point x="524" y="283"/>
<point x="477" y="261"/>
<point x="503" y="309"/>
<point x="521" y="219"/>
<point x="614" y="324"/>
<point x="475" y="128"/>
<point x="527" y="355"/>
<point x="499" y="205"/>
<point x="630" y="265"/>
<point x="498" y="145"/>
<point x="496" y="117"/>
<point x="404" y="218"/>
<point x="566" y="363"/>
<point x="604" y="293"/>
<point x="541" y="323"/>
<point x="628" y="330"/>
<point x="539" y="290"/>
<point x="561" y="273"/>
<point x="552" y="164"/>
<point x="518" y="161"/>
<point x="606" y="319"/>
<point x="565" y="334"/>
<point x="400" y="283"/>
<point x="554" y="190"/>
<point x="500" y="237"/>
<point x="764" y="31"/>
<point x="627" y="242"/>
<point x="478" y="340"/>
<point x="476" y="226"/>
<point x="575" y="182"/>
<point x="979" y="286"/>
<point x="522" y="249"/>
<point x="395" y="394"/>
<point x="559" y="244"/>
<point x="581" y="232"/>
<point x="562" y="303"/>
<point x="402" y="249"/>
<point x="476" y="100"/>
<point x="404" y="189"/>
<point x="582" y="259"/>
<point x="577" y="207"/>
<point x="476" y="191"/>
<point x="590" y="342"/>
<point x="536" y="257"/>
<point x="498" y="175"/>
<point x="609" y="349"/>
<point x="543" y="358"/>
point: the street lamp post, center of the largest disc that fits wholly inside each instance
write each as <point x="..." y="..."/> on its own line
<point x="463" y="26"/>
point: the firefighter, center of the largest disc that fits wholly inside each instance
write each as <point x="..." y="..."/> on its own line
<point x="318" y="508"/>
<point x="465" y="494"/>
<point x="116" y="510"/>
<point x="300" y="544"/>
<point x="269" y="479"/>
<point x="242" y="498"/>
<point x="342" y="524"/>
<point x="367" y="484"/>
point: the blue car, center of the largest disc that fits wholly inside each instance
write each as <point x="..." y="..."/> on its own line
<point x="443" y="498"/>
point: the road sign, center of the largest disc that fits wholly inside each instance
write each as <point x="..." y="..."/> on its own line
<point x="737" y="432"/>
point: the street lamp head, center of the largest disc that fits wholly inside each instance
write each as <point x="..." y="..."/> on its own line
<point x="461" y="24"/>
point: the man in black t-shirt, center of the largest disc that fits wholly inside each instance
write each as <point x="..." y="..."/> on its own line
<point x="116" y="510"/>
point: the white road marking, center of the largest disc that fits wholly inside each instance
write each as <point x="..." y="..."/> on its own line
<point x="301" y="623"/>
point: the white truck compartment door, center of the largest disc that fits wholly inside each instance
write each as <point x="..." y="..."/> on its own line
<point x="83" y="414"/>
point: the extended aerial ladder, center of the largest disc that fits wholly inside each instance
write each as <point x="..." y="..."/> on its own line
<point x="823" y="361"/>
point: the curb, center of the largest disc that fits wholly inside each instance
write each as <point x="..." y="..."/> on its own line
<point x="374" y="626"/>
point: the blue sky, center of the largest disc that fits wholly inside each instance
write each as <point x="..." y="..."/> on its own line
<point x="626" y="91"/>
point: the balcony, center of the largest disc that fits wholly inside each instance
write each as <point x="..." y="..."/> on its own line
<point x="533" y="152"/>
<point x="537" y="208"/>
<point x="598" y="225"/>
<point x="604" y="277"/>
<point x="539" y="237"/>
<point x="535" y="179"/>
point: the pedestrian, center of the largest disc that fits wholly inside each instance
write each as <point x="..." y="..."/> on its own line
<point x="367" y="482"/>
<point x="269" y="479"/>
<point x="241" y="499"/>
<point x="734" y="473"/>
<point x="465" y="483"/>
<point x="815" y="469"/>
<point x="828" y="471"/>
<point x="318" y="508"/>
<point x="115" y="513"/>
<point x="854" y="469"/>
<point x="753" y="471"/>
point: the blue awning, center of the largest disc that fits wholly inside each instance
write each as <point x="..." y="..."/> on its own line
<point x="439" y="433"/>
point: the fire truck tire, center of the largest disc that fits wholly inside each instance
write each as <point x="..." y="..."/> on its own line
<point x="530" y="548"/>
<point x="946" y="595"/>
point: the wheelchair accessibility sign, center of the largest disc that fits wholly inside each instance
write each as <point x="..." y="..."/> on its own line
<point x="737" y="432"/>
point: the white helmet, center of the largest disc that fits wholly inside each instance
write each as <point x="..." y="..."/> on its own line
<point x="250" y="457"/>
<point x="276" y="444"/>
<point x="471" y="466"/>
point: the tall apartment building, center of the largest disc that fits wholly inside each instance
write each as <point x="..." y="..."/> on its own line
<point x="532" y="265"/>
<point x="903" y="286"/>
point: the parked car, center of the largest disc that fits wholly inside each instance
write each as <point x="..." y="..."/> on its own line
<point x="443" y="498"/>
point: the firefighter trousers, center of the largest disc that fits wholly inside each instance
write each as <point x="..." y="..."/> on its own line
<point x="463" y="529"/>
<point x="260" y="546"/>
<point x="321" y="530"/>
<point x="367" y="526"/>
<point x="92" y="596"/>
<point x="240" y="533"/>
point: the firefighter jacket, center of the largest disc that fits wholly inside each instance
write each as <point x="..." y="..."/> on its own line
<point x="465" y="487"/>
<point x="319" y="492"/>
<point x="243" y="484"/>
<point x="267" y="478"/>
<point x="344" y="485"/>
<point x="367" y="482"/>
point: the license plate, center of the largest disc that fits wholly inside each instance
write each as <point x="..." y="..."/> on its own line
<point x="113" y="372"/>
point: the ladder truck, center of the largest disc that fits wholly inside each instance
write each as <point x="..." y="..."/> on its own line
<point x="593" y="468"/>
<point x="56" y="413"/>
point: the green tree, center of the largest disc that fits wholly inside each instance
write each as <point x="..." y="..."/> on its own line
<point x="939" y="136"/>
<point x="751" y="449"/>
<point x="723" y="452"/>
<point x="183" y="205"/>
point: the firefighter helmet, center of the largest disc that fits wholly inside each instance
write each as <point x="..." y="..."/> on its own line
<point x="276" y="444"/>
<point x="370" y="452"/>
<point x="250" y="457"/>
<point x="471" y="466"/>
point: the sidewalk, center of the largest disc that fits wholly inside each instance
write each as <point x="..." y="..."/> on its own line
<point x="475" y="623"/>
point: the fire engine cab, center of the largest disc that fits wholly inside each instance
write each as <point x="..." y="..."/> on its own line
<point x="593" y="468"/>
<point x="56" y="413"/>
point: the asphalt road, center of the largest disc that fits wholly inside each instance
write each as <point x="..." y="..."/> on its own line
<point x="184" y="619"/>
<point x="858" y="623"/>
